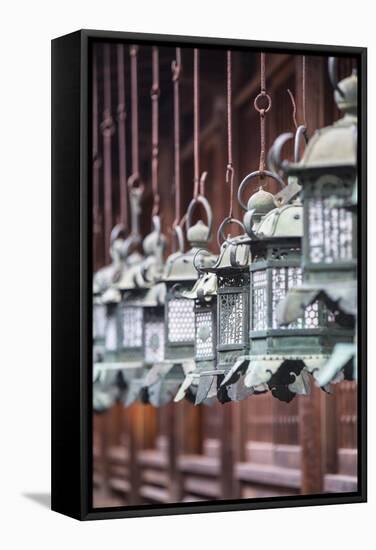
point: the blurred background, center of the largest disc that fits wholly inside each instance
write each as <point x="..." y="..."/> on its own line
<point x="260" y="447"/>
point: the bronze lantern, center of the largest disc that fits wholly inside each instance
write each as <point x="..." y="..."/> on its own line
<point x="180" y="275"/>
<point x="281" y="359"/>
<point x="327" y="174"/>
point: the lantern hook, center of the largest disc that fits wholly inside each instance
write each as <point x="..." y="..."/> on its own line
<point x="227" y="221"/>
<point x="333" y="75"/>
<point x="257" y="174"/>
<point x="274" y="155"/>
<point x="200" y="199"/>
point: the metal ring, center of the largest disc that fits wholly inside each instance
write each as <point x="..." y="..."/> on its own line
<point x="116" y="231"/>
<point x="269" y="104"/>
<point x="256" y="174"/>
<point x="205" y="203"/>
<point x="178" y="233"/>
<point x="300" y="132"/>
<point x="133" y="179"/>
<point x="274" y="155"/>
<point x="226" y="221"/>
<point x="197" y="268"/>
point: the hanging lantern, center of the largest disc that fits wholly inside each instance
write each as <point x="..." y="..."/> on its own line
<point x="105" y="303"/>
<point x="281" y="359"/>
<point x="327" y="174"/>
<point x="164" y="379"/>
<point x="198" y="381"/>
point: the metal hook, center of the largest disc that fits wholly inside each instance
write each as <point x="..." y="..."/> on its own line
<point x="333" y="74"/>
<point x="274" y="155"/>
<point x="209" y="214"/>
<point x="253" y="175"/>
<point x="227" y="221"/>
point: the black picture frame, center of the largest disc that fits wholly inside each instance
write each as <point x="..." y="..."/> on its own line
<point x="72" y="276"/>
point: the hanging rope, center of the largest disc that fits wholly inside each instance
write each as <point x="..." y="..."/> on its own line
<point x="135" y="176"/>
<point x="176" y="67"/>
<point x="95" y="144"/>
<point x="108" y="129"/>
<point x="262" y="104"/>
<point x="196" y="122"/>
<point x="155" y="91"/>
<point x="121" y="113"/>
<point x="294" y="109"/>
<point x="230" y="168"/>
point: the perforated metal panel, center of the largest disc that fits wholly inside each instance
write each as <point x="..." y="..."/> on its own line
<point x="259" y="300"/>
<point x="132" y="326"/>
<point x="181" y="321"/>
<point x="231" y="324"/>
<point x="204" y="335"/>
<point x="330" y="232"/>
<point x="111" y="334"/>
<point x="99" y="321"/>
<point x="154" y="341"/>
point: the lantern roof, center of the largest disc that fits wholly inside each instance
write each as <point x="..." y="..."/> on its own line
<point x="111" y="296"/>
<point x="286" y="221"/>
<point x="204" y="289"/>
<point x="180" y="266"/>
<point x="109" y="274"/>
<point x="155" y="296"/>
<point x="335" y="145"/>
<point x="234" y="254"/>
<point x="146" y="270"/>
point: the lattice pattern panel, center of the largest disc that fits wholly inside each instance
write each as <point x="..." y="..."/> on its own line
<point x="99" y="321"/>
<point x="204" y="335"/>
<point x="259" y="300"/>
<point x="132" y="326"/>
<point x="284" y="279"/>
<point x="330" y="232"/>
<point x="181" y="320"/>
<point x="231" y="313"/>
<point x="111" y="334"/>
<point x="154" y="341"/>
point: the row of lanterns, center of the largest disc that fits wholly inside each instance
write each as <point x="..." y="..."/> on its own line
<point x="273" y="310"/>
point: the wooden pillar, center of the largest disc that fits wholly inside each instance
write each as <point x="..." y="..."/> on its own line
<point x="310" y="435"/>
<point x="227" y="452"/>
<point x="141" y="428"/>
<point x="174" y="448"/>
<point x="104" y="451"/>
<point x="329" y="433"/>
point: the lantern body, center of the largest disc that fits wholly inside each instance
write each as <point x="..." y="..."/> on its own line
<point x="232" y="304"/>
<point x="328" y="177"/>
<point x="99" y="329"/>
<point x="154" y="329"/>
<point x="233" y="292"/>
<point x="281" y="357"/>
<point x="201" y="382"/>
<point x="130" y="326"/>
<point x="327" y="174"/>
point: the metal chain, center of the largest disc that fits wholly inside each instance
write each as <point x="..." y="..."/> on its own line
<point x="121" y="115"/>
<point x="262" y="104"/>
<point x="230" y="168"/>
<point x="176" y="67"/>
<point x="196" y="121"/>
<point x="155" y="91"/>
<point x="135" y="176"/>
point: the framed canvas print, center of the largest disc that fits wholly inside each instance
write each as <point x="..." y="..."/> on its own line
<point x="209" y="274"/>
